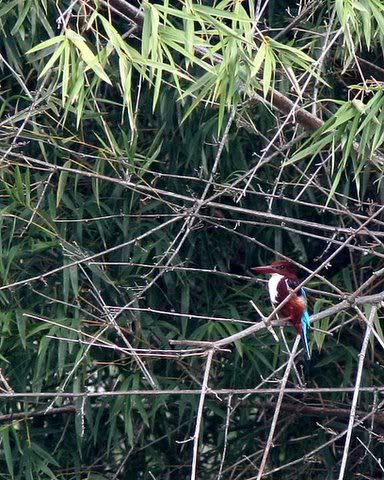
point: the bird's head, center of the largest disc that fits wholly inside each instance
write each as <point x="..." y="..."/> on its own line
<point x="285" y="268"/>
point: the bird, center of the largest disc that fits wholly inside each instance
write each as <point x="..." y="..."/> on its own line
<point x="282" y="282"/>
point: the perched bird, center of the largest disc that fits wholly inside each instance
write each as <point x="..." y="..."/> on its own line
<point x="283" y="280"/>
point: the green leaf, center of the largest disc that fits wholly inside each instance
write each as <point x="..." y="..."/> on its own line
<point x="46" y="44"/>
<point x="65" y="72"/>
<point x="8" y="7"/>
<point x="269" y="70"/>
<point x="21" y="327"/>
<point x="63" y="177"/>
<point x="4" y="436"/>
<point x="258" y="60"/>
<point x="311" y="150"/>
<point x="87" y="55"/>
<point x="56" y="55"/>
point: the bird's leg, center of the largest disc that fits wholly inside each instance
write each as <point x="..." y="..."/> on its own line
<point x="286" y="319"/>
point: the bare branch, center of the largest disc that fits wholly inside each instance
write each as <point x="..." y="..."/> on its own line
<point x="356" y="392"/>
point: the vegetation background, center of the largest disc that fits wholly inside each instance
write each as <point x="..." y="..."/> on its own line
<point x="151" y="153"/>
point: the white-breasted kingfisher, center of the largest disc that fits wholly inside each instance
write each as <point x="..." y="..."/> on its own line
<point x="283" y="280"/>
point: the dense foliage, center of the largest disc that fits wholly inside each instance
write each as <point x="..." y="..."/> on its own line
<point x="150" y="155"/>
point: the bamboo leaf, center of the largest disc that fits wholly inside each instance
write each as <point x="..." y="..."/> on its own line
<point x="46" y="44"/>
<point x="269" y="71"/>
<point x="87" y="55"/>
<point x="258" y="60"/>
<point x="4" y="436"/>
<point x="56" y="55"/>
<point x="63" y="177"/>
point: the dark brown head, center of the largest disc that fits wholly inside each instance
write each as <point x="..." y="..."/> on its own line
<point x="285" y="268"/>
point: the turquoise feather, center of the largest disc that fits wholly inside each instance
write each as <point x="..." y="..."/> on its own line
<point x="305" y="332"/>
<point x="305" y="324"/>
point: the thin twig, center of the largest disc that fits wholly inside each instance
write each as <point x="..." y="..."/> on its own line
<point x="356" y="392"/>
<point x="90" y="257"/>
<point x="277" y="408"/>
<point x="199" y="418"/>
<point x="344" y="305"/>
<point x="216" y="392"/>
<point x="378" y="460"/>
<point x="334" y="439"/>
<point x="268" y="324"/>
<point x="225" y="437"/>
<point x="190" y="218"/>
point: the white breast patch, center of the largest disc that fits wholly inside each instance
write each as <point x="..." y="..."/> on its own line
<point x="272" y="286"/>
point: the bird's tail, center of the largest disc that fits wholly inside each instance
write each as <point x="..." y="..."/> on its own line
<point x="305" y="333"/>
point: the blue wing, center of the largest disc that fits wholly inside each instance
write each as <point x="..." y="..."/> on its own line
<point x="305" y="330"/>
<point x="305" y="326"/>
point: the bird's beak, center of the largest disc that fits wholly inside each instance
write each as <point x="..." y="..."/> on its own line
<point x="264" y="269"/>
